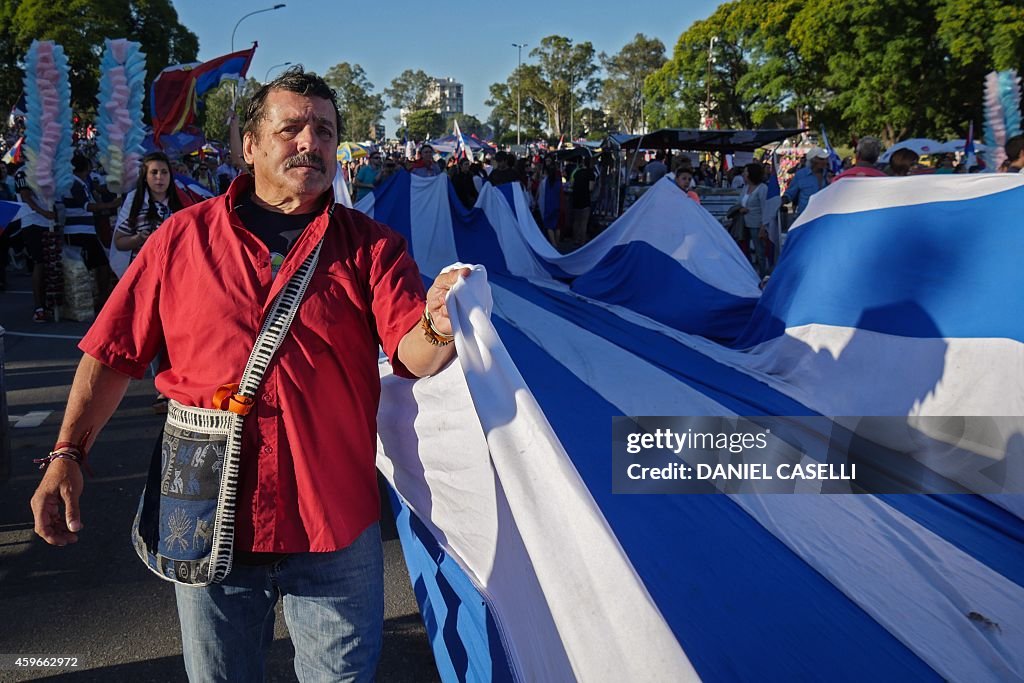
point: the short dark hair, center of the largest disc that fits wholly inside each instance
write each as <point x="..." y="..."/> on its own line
<point x="683" y="163"/>
<point x="296" y="80"/>
<point x="80" y="163"/>
<point x="1014" y="146"/>
<point x="756" y="172"/>
<point x="902" y="160"/>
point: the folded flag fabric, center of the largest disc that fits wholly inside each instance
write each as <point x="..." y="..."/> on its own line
<point x="11" y="211"/>
<point x="528" y="566"/>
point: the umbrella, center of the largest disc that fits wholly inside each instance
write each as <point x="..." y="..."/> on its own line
<point x="922" y="146"/>
<point x="957" y="146"/>
<point x="347" y="151"/>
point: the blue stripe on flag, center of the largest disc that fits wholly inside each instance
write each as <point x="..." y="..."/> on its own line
<point x="8" y="210"/>
<point x="475" y="239"/>
<point x="735" y="390"/>
<point x="391" y="205"/>
<point x="506" y="190"/>
<point x="735" y="596"/>
<point x="644" y="279"/>
<point x="895" y="282"/>
<point x="462" y="632"/>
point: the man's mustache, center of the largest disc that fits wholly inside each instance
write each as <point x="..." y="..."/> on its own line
<point x="306" y="159"/>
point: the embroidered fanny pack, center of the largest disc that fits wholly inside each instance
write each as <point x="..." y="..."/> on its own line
<point x="185" y="526"/>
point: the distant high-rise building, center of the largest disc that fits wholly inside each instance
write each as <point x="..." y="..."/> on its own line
<point x="445" y="96"/>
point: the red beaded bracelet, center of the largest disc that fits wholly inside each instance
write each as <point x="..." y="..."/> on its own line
<point x="68" y="451"/>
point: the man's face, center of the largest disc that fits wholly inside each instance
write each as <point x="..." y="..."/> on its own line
<point x="375" y="161"/>
<point x="818" y="164"/>
<point x="293" y="151"/>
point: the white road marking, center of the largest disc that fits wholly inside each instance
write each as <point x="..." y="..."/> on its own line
<point x="32" y="419"/>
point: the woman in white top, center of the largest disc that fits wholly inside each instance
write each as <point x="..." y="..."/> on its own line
<point x="154" y="198"/>
<point x="755" y="213"/>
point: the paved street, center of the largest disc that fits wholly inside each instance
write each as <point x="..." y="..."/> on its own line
<point x="95" y="600"/>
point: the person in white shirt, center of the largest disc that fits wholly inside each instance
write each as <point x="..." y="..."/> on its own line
<point x="154" y="198"/>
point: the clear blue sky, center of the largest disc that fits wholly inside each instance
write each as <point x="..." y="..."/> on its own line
<point x="469" y="41"/>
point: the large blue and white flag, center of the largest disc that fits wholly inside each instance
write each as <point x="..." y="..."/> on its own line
<point x="529" y="568"/>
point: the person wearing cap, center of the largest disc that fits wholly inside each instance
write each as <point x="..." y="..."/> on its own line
<point x="810" y="179"/>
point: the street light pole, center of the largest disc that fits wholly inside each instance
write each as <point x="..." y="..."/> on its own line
<point x="519" y="101"/>
<point x="266" y="9"/>
<point x="267" y="76"/>
<point x="711" y="60"/>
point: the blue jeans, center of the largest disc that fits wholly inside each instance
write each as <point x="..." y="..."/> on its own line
<point x="333" y="605"/>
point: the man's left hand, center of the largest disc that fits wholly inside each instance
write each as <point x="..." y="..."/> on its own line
<point x="436" y="299"/>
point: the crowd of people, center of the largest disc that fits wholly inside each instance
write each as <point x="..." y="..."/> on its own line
<point x="561" y="189"/>
<point x="567" y="209"/>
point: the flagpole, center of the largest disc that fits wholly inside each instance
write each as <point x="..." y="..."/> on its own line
<point x="519" y="91"/>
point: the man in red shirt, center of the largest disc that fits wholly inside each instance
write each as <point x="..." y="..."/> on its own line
<point x="307" y="513"/>
<point x="868" y="150"/>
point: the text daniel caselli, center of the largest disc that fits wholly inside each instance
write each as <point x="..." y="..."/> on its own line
<point x="735" y="442"/>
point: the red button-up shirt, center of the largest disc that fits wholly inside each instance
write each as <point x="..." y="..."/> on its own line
<point x="198" y="293"/>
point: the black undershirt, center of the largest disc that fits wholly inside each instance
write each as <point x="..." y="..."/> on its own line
<point x="279" y="231"/>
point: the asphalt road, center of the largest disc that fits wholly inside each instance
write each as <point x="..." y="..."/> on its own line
<point x="94" y="599"/>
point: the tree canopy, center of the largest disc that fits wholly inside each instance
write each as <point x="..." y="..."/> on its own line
<point x="81" y="26"/>
<point x="361" y="110"/>
<point x="409" y="91"/>
<point x="424" y="123"/>
<point x="621" y="93"/>
<point x="895" y="68"/>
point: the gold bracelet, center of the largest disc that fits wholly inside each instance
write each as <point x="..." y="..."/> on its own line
<point x="432" y="335"/>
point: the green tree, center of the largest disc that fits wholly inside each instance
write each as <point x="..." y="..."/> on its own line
<point x="708" y="65"/>
<point x="894" y="68"/>
<point x="468" y="124"/>
<point x="81" y="26"/>
<point x="502" y="101"/>
<point x="989" y="33"/>
<point x="422" y="124"/>
<point x="887" y="71"/>
<point x="594" y="124"/>
<point x="360" y="109"/>
<point x="562" y="81"/>
<point x="409" y="91"/>
<point x="622" y="88"/>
